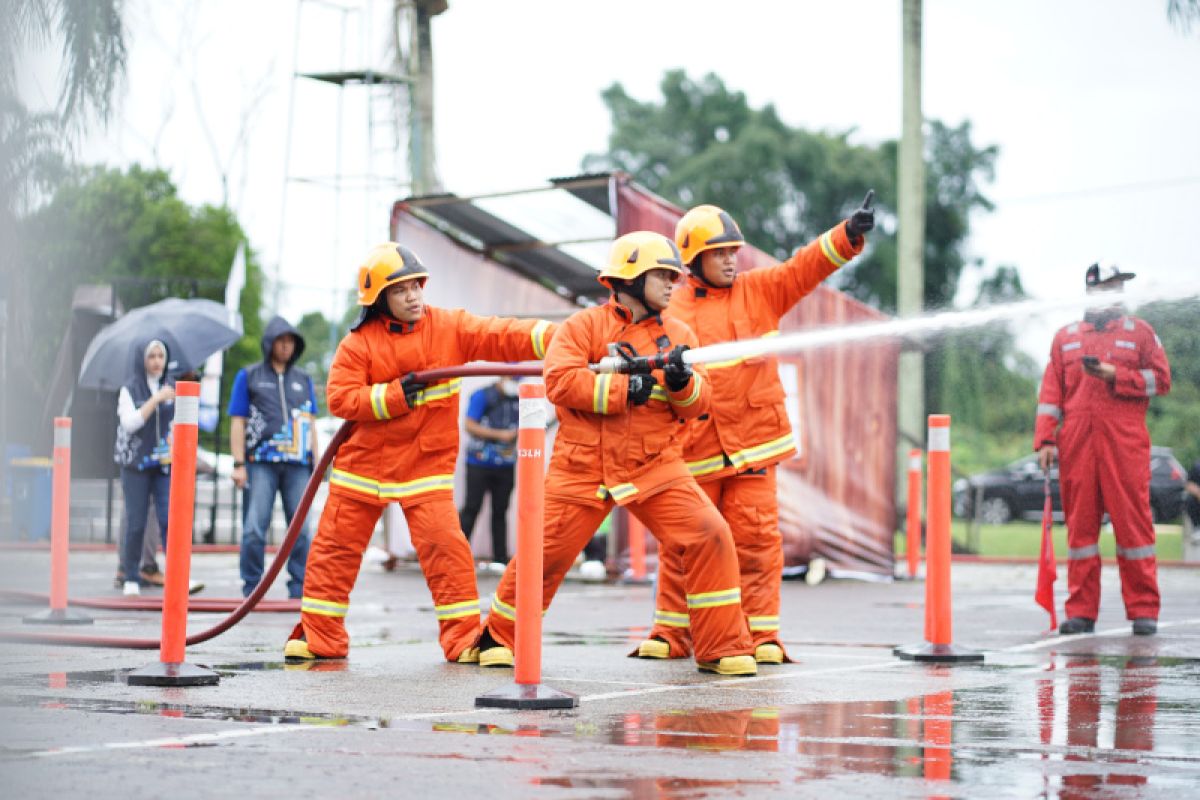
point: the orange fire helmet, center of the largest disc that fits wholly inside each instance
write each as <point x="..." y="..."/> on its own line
<point x="706" y="228"/>
<point x="386" y="264"/>
<point x="637" y="253"/>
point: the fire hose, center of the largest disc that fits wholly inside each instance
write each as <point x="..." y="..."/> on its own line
<point x="289" y="540"/>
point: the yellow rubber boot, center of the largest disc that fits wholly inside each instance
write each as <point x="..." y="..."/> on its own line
<point x="297" y="650"/>
<point x="468" y="656"/>
<point x="730" y="665"/>
<point x="768" y="654"/>
<point x="654" y="648"/>
<point x="498" y="656"/>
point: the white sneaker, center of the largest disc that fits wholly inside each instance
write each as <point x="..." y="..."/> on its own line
<point x="497" y="567"/>
<point x="132" y="589"/>
<point x="816" y="571"/>
<point x="593" y="571"/>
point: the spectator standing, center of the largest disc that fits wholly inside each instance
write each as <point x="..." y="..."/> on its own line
<point x="1191" y="501"/>
<point x="274" y="443"/>
<point x="1102" y="373"/>
<point x="491" y="461"/>
<point x="145" y="412"/>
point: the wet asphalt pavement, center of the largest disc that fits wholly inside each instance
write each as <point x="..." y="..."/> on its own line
<point x="1105" y="715"/>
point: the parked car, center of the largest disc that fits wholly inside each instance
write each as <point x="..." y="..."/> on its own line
<point x="1017" y="492"/>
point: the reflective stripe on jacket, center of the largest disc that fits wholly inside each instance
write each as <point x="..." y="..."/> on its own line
<point x="1069" y="396"/>
<point x="604" y="446"/>
<point x="398" y="452"/>
<point x="748" y="426"/>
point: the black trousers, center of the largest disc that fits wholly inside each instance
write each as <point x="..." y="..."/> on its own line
<point x="498" y="482"/>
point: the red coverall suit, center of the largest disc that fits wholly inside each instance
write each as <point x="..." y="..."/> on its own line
<point x="407" y="454"/>
<point x="607" y="451"/>
<point x="733" y="450"/>
<point x="1104" y="455"/>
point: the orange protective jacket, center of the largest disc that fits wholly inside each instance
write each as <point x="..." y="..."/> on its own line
<point x="402" y="453"/>
<point x="604" y="446"/>
<point x="748" y="426"/>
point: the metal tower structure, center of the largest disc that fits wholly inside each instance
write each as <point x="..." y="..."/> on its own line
<point x="394" y="88"/>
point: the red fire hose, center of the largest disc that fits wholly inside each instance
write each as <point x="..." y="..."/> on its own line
<point x="293" y="531"/>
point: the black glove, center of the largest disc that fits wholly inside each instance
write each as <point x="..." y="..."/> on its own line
<point x="411" y="388"/>
<point x="863" y="219"/>
<point x="640" y="387"/>
<point x="677" y="372"/>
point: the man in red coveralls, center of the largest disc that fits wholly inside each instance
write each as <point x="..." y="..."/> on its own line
<point x="1101" y="376"/>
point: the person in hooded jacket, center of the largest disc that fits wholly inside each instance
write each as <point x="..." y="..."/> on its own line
<point x="145" y="411"/>
<point x="274" y="445"/>
<point x="402" y="449"/>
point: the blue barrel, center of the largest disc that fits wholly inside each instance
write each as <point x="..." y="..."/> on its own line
<point x="32" y="497"/>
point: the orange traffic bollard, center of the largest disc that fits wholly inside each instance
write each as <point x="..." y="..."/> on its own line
<point x="938" y="755"/>
<point x="912" y="530"/>
<point x="938" y="647"/>
<point x="637" y="549"/>
<point x="528" y="692"/>
<point x="60" y="534"/>
<point x="171" y="669"/>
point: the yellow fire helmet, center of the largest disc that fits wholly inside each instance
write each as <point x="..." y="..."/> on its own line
<point x="637" y="253"/>
<point x="386" y="264"/>
<point x="706" y="228"/>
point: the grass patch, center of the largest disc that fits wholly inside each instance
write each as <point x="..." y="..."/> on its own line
<point x="1024" y="540"/>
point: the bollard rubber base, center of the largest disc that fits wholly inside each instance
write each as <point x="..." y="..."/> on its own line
<point x="58" y="616"/>
<point x="182" y="674"/>
<point x="526" y="696"/>
<point x="938" y="653"/>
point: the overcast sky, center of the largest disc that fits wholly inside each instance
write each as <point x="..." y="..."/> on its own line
<point x="1092" y="103"/>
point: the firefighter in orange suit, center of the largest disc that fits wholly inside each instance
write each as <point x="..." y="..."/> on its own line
<point x="402" y="449"/>
<point x="619" y="442"/>
<point x="732" y="451"/>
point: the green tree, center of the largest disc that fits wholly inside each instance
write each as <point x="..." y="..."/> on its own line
<point x="318" y="352"/>
<point x="985" y="382"/>
<point x="1174" y="420"/>
<point x="131" y="229"/>
<point x="92" y="36"/>
<point x="704" y="143"/>
<point x="1183" y="13"/>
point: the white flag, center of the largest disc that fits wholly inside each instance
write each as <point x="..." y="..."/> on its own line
<point x="210" y="382"/>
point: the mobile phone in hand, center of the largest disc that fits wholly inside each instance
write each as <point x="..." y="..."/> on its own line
<point x="1091" y="362"/>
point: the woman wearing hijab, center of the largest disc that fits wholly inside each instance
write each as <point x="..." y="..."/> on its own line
<point x="145" y="411"/>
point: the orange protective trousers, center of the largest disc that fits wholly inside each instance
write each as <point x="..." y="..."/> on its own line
<point x="748" y="503"/>
<point x="683" y="519"/>
<point x="336" y="555"/>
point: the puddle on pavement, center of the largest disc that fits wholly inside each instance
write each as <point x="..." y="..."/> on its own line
<point x="664" y="788"/>
<point x="1090" y="721"/>
<point x="1081" y="721"/>
<point x="192" y="711"/>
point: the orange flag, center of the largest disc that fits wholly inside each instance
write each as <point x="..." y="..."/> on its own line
<point x="1047" y="567"/>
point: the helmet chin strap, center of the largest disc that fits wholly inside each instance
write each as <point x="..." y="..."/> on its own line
<point x="636" y="289"/>
<point x="697" y="269"/>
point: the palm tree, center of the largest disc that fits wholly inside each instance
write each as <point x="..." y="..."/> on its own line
<point x="1182" y="13"/>
<point x="33" y="146"/>
<point x="92" y="34"/>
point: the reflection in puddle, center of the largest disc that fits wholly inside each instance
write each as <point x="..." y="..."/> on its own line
<point x="225" y="714"/>
<point x="1083" y="725"/>
<point x="664" y="788"/>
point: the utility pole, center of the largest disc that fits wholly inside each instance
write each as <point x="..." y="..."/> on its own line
<point x="414" y="55"/>
<point x="910" y="280"/>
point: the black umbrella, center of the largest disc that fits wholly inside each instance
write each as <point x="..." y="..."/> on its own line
<point x="192" y="330"/>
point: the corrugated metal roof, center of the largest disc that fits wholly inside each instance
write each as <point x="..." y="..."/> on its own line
<point x="558" y="235"/>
